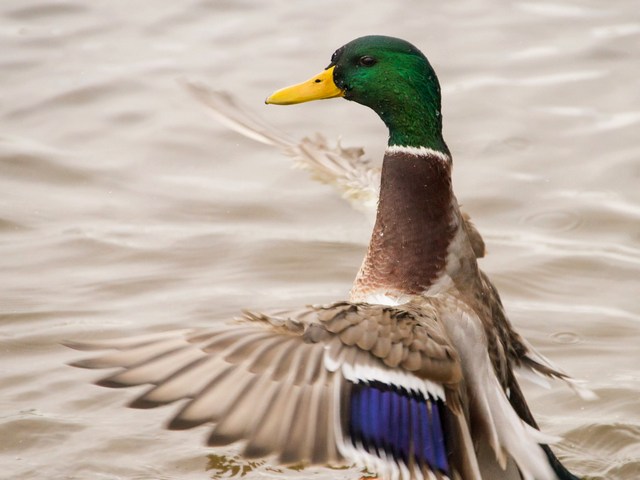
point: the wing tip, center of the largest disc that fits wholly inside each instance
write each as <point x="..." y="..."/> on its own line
<point x="141" y="403"/>
<point x="81" y="364"/>
<point x="253" y="451"/>
<point x="108" y="383"/>
<point x="82" y="346"/>
<point x="180" y="423"/>
<point x="94" y="363"/>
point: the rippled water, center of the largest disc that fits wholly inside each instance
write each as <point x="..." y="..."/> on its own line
<point x="126" y="209"/>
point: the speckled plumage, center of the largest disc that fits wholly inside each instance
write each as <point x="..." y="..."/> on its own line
<point x="414" y="226"/>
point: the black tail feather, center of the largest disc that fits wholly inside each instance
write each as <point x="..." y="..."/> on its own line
<point x="561" y="470"/>
<point x="519" y="404"/>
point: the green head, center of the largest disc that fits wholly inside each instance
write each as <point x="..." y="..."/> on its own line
<point x="388" y="75"/>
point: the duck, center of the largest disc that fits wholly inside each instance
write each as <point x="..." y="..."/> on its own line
<point x="413" y="376"/>
<point x="354" y="177"/>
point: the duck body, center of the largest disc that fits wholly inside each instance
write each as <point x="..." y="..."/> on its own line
<point x="413" y="376"/>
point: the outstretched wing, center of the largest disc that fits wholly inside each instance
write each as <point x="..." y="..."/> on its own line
<point x="368" y="383"/>
<point x="345" y="168"/>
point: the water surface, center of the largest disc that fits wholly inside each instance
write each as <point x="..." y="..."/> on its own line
<point x="124" y="208"/>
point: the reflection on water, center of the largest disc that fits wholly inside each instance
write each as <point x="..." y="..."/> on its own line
<point x="221" y="466"/>
<point x="228" y="466"/>
<point x="125" y="209"/>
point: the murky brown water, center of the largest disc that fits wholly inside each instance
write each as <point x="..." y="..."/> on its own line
<point x="124" y="208"/>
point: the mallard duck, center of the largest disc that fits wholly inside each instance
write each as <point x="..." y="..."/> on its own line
<point x="353" y="175"/>
<point x="414" y="375"/>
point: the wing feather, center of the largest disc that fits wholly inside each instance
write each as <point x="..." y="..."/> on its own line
<point x="282" y="383"/>
<point x="496" y="422"/>
<point x="129" y="357"/>
<point x="154" y="370"/>
<point x="185" y="382"/>
<point x="295" y="446"/>
<point x="241" y="415"/>
<point x="345" y="168"/>
<point x="204" y="407"/>
<point x="125" y="342"/>
<point x="264" y="439"/>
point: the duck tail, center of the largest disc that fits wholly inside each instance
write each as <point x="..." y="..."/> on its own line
<point x="561" y="470"/>
<point x="519" y="404"/>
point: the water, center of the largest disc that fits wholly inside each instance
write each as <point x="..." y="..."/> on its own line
<point x="126" y="209"/>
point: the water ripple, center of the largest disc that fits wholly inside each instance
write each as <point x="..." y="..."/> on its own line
<point x="554" y="220"/>
<point x="567" y="338"/>
<point x="45" y="11"/>
<point x="560" y="247"/>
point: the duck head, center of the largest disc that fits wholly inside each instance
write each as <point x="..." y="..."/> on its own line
<point x="388" y="75"/>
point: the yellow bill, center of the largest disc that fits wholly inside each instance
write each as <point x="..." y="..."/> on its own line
<point x="318" y="87"/>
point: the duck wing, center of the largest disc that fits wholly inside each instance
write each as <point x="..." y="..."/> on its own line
<point x="372" y="384"/>
<point x="346" y="169"/>
<point x="399" y="390"/>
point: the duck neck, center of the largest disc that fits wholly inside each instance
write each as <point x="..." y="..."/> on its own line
<point x="416" y="222"/>
<point x="416" y="124"/>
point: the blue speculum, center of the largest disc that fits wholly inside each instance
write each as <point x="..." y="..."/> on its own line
<point x="403" y="424"/>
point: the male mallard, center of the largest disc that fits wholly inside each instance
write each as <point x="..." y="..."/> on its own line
<point x="413" y="377"/>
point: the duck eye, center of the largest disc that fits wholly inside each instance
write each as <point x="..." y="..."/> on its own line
<point x="367" y="61"/>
